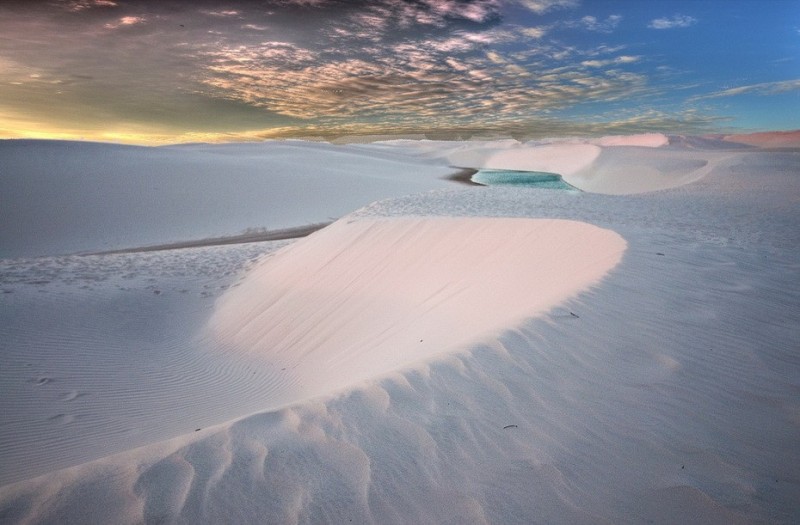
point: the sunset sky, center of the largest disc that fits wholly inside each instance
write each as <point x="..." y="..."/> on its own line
<point x="170" y="71"/>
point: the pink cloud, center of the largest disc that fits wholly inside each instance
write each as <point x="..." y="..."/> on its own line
<point x="126" y="21"/>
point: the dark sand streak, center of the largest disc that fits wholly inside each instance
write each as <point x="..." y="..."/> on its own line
<point x="271" y="235"/>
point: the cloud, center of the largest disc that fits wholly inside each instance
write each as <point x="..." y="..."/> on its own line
<point x="477" y="11"/>
<point x="302" y="3"/>
<point x="265" y="53"/>
<point x="624" y="59"/>
<point x="524" y="128"/>
<point x="17" y="73"/>
<point x="534" y="32"/>
<point x="81" y="5"/>
<point x="325" y="65"/>
<point x="542" y="6"/>
<point x="671" y="23"/>
<point x="495" y="57"/>
<point x="764" y="89"/>
<point x="125" y="21"/>
<point x="602" y="26"/>
<point x="652" y="120"/>
<point x="222" y="13"/>
<point x="589" y="23"/>
<point x="394" y="20"/>
<point x="414" y="81"/>
<point x="627" y="59"/>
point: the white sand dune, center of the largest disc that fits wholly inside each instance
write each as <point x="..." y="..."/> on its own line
<point x="646" y="140"/>
<point x="770" y="139"/>
<point x="616" y="165"/>
<point x="564" y="159"/>
<point x="664" y="392"/>
<point x="365" y="297"/>
<point x="629" y="170"/>
<point x="70" y="197"/>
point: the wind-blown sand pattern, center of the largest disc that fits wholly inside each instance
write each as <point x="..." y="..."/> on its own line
<point x="660" y="387"/>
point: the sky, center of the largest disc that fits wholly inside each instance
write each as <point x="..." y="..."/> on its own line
<point x="172" y="71"/>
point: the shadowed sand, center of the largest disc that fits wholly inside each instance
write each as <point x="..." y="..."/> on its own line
<point x="62" y="197"/>
<point x="259" y="236"/>
<point x="464" y="176"/>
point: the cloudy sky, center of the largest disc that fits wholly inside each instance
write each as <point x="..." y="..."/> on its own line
<point x="170" y="71"/>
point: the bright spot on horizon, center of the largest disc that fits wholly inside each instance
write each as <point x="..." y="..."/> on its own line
<point x="172" y="71"/>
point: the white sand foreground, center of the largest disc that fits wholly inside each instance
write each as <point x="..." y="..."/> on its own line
<point x="563" y="380"/>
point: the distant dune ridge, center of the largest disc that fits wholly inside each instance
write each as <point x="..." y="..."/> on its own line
<point x="440" y="353"/>
<point x="772" y="139"/>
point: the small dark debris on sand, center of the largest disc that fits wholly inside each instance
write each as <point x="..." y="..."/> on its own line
<point x="510" y="426"/>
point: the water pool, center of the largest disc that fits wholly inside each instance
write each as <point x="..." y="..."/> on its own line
<point x="532" y="179"/>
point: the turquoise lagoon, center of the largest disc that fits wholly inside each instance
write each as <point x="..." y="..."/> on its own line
<point x="531" y="179"/>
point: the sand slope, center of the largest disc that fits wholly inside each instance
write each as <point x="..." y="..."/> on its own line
<point x="69" y="197"/>
<point x="364" y="297"/>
